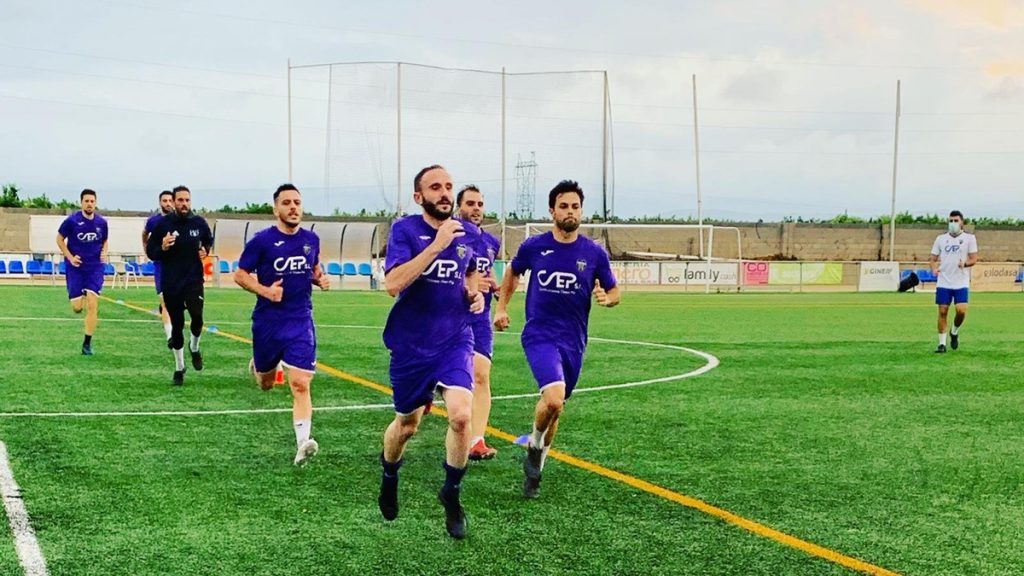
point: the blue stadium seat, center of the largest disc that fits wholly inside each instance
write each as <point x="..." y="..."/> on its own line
<point x="34" y="267"/>
<point x="234" y="265"/>
<point x="905" y="274"/>
<point x="148" y="269"/>
<point x="1020" y="277"/>
<point x="225" y="267"/>
<point x="365" y="269"/>
<point x="47" y="267"/>
<point x="350" y="269"/>
<point x="108" y="269"/>
<point x="16" y="267"/>
<point x="334" y="269"/>
<point x="926" y="275"/>
<point x="63" y="268"/>
<point x="3" y="267"/>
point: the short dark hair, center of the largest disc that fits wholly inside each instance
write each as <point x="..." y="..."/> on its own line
<point x="166" y="193"/>
<point x="87" y="192"/>
<point x="419" y="175"/>
<point x="564" y="187"/>
<point x="958" y="213"/>
<point x="284" y="188"/>
<point x="180" y="188"/>
<point x="462" y="192"/>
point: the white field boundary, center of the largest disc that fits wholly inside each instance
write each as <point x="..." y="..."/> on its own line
<point x="25" y="542"/>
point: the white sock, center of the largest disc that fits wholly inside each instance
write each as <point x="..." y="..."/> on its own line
<point x="537" y="437"/>
<point x="179" y="359"/>
<point x="193" y="343"/>
<point x="956" y="330"/>
<point x="942" y="339"/>
<point x="167" y="330"/>
<point x="301" y="430"/>
<point x="544" y="456"/>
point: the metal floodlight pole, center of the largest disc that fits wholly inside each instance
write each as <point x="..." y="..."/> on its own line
<point x="604" y="150"/>
<point x="895" y="157"/>
<point x="327" y="144"/>
<point x="696" y="158"/>
<point x="504" y="248"/>
<point x="290" y="179"/>
<point x="398" y="109"/>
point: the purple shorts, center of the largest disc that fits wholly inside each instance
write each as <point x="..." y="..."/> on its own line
<point x="550" y="363"/>
<point x="85" y="277"/>
<point x="292" y="342"/>
<point x="414" y="378"/>
<point x="483" y="336"/>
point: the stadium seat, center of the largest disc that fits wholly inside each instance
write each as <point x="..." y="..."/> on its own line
<point x="1020" y="277"/>
<point x="34" y="267"/>
<point x="350" y="269"/>
<point x="3" y="267"/>
<point x="225" y="267"/>
<point x="148" y="269"/>
<point x="234" y="266"/>
<point x="365" y="269"/>
<point x="108" y="269"/>
<point x="926" y="275"/>
<point x="905" y="274"/>
<point x="334" y="269"/>
<point x="63" y="268"/>
<point x="47" y="267"/>
<point x="16" y="267"/>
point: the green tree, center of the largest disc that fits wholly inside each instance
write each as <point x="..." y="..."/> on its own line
<point x="10" y="199"/>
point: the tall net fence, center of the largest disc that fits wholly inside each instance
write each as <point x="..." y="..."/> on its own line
<point x="361" y="131"/>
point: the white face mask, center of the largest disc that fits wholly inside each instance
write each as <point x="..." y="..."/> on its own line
<point x="954" y="228"/>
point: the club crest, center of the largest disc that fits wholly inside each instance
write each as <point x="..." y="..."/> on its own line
<point x="306" y="249"/>
<point x="461" y="250"/>
<point x="581" y="265"/>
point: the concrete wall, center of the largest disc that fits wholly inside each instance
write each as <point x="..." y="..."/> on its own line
<point x="789" y="241"/>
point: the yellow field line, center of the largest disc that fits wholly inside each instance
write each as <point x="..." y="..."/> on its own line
<point x="687" y="501"/>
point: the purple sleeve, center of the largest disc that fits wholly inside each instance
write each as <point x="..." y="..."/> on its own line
<point x="106" y="230"/>
<point x="251" y="255"/>
<point x="65" y="228"/>
<point x="603" y="274"/>
<point x="522" y="260"/>
<point x="150" y="223"/>
<point x="471" y="255"/>
<point x="400" y="250"/>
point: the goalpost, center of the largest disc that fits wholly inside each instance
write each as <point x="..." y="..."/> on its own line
<point x="668" y="255"/>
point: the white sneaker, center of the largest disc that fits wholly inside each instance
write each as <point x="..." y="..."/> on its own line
<point x="308" y="449"/>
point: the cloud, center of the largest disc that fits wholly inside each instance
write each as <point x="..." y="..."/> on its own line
<point x="1007" y="89"/>
<point x="1005" y="68"/>
<point x="756" y="84"/>
<point x="997" y="14"/>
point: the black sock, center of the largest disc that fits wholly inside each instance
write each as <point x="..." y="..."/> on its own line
<point x="88" y="340"/>
<point x="390" y="468"/>
<point x="453" y="478"/>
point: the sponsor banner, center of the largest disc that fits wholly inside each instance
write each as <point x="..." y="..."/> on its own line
<point x="632" y="273"/>
<point x="995" y="277"/>
<point x="699" y="273"/>
<point x="879" y="277"/>
<point x="755" y="273"/>
<point x="805" y="273"/>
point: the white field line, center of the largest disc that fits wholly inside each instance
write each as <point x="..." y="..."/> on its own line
<point x="25" y="542"/>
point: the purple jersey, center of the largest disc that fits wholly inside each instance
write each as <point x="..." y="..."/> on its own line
<point x="485" y="247"/>
<point x="85" y="237"/>
<point x="561" y="286"/>
<point x="273" y="255"/>
<point x="431" y="314"/>
<point x="151" y="222"/>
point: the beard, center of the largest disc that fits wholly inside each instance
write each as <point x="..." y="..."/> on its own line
<point x="290" y="225"/>
<point x="567" y="225"/>
<point x="432" y="209"/>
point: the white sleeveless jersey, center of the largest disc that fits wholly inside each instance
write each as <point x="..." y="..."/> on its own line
<point x="952" y="250"/>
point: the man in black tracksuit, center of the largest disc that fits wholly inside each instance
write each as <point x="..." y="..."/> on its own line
<point x="180" y="242"/>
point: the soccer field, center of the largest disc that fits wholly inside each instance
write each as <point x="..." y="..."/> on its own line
<point x="829" y="423"/>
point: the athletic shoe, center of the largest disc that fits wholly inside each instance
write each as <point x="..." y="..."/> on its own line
<point x="941" y="349"/>
<point x="481" y="451"/>
<point x="308" y="449"/>
<point x="954" y="341"/>
<point x="197" y="360"/>
<point x="86" y="349"/>
<point x="531" y="467"/>
<point x="179" y="377"/>
<point x="454" y="517"/>
<point x="388" y="498"/>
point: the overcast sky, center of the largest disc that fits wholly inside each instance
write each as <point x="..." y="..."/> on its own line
<point x="796" y="102"/>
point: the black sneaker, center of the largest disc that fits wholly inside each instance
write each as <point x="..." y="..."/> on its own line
<point x="954" y="341"/>
<point x="179" y="377"/>
<point x="86" y="349"/>
<point x="197" y="360"/>
<point x="388" y="499"/>
<point x="531" y="467"/>
<point x="454" y="517"/>
<point x="941" y="349"/>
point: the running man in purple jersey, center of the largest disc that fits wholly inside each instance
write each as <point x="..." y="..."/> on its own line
<point x="565" y="270"/>
<point x="430" y="267"/>
<point x="280" y="265"/>
<point x="82" y="238"/>
<point x="166" y="207"/>
<point x="485" y="246"/>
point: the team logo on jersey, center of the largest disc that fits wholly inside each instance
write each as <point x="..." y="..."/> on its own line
<point x="461" y="250"/>
<point x="88" y="236"/>
<point x="581" y="265"/>
<point x="953" y="248"/>
<point x="559" y="280"/>
<point x="442" y="269"/>
<point x="490" y="253"/>
<point x="291" y="264"/>
<point x="193" y="233"/>
<point x="306" y="249"/>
